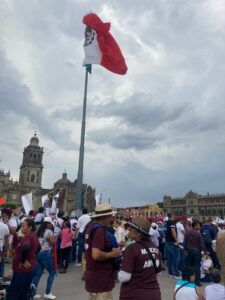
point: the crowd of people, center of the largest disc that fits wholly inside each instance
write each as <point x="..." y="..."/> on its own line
<point x="110" y="250"/>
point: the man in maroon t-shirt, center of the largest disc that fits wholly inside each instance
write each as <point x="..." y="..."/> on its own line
<point x="99" y="254"/>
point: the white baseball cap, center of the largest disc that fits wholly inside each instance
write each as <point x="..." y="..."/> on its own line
<point x="49" y="220"/>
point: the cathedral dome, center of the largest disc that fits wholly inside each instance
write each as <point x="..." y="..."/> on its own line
<point x="34" y="141"/>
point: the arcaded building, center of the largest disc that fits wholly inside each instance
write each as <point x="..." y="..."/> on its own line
<point x="193" y="204"/>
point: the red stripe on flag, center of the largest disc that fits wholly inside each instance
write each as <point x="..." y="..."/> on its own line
<point x="2" y="200"/>
<point x="112" y="57"/>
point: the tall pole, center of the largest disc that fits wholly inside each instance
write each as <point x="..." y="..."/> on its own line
<point x="81" y="155"/>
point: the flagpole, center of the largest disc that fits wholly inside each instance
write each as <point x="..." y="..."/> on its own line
<point x="78" y="203"/>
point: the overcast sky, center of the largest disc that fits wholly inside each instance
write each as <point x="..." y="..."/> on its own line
<point x="159" y="130"/>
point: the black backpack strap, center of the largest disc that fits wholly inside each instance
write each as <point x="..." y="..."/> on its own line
<point x="149" y="254"/>
<point x="180" y="287"/>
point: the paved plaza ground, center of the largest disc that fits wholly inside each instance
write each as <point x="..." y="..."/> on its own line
<point x="70" y="286"/>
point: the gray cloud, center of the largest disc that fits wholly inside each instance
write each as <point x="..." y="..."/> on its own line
<point x="124" y="139"/>
<point x="140" y="111"/>
<point x="16" y="97"/>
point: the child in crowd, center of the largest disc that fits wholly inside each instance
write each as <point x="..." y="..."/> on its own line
<point x="206" y="266"/>
<point x="66" y="245"/>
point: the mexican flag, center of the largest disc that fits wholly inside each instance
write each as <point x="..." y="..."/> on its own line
<point x="100" y="47"/>
<point x="2" y="200"/>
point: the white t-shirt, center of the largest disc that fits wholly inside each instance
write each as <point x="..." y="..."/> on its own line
<point x="39" y="217"/>
<point x="73" y="223"/>
<point x="82" y="222"/>
<point x="4" y="231"/>
<point x="154" y="236"/>
<point x="44" y="241"/>
<point x="205" y="264"/>
<point x="215" y="291"/>
<point x="180" y="235"/>
<point x="120" y="234"/>
<point x="12" y="222"/>
<point x="187" y="292"/>
<point x="58" y="224"/>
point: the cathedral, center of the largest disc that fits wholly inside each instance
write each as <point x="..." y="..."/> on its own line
<point x="30" y="180"/>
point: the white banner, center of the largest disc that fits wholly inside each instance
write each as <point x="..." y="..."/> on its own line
<point x="45" y="201"/>
<point x="54" y="202"/>
<point x="98" y="199"/>
<point x="27" y="202"/>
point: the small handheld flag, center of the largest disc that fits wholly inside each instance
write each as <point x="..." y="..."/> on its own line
<point x="100" y="47"/>
<point x="2" y="200"/>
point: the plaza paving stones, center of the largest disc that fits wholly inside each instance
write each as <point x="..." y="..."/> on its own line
<point x="69" y="286"/>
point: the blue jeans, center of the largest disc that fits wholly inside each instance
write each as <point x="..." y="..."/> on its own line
<point x="73" y="253"/>
<point x="45" y="261"/>
<point x="182" y="258"/>
<point x="2" y="268"/>
<point x="19" y="288"/>
<point x="80" y="240"/>
<point x="173" y="258"/>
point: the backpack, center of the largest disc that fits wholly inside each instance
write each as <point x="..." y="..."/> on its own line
<point x="207" y="236"/>
<point x="117" y="260"/>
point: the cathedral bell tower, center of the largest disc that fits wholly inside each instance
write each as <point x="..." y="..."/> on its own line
<point x="31" y="168"/>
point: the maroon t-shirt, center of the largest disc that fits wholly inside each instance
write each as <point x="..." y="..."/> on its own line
<point x="99" y="275"/>
<point x="143" y="284"/>
<point x="32" y="241"/>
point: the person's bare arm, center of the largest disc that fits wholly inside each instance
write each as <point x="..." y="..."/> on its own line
<point x="12" y="229"/>
<point x="200" y="293"/>
<point x="174" y="234"/>
<point x="6" y="244"/>
<point x="99" y="255"/>
<point x="52" y="239"/>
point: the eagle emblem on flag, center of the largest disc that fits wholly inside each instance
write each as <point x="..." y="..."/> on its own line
<point x="89" y="36"/>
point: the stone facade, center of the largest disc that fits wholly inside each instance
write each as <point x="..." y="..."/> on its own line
<point x="193" y="204"/>
<point x="67" y="194"/>
<point x="31" y="170"/>
<point x="10" y="189"/>
<point x="30" y="180"/>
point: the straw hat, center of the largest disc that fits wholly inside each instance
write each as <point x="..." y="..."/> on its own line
<point x="140" y="224"/>
<point x="103" y="209"/>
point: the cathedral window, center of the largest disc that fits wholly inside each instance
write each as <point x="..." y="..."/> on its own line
<point x="32" y="178"/>
<point x="35" y="158"/>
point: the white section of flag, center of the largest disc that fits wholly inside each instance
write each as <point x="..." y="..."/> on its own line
<point x="98" y="199"/>
<point x="93" y="54"/>
<point x="27" y="202"/>
<point x="54" y="202"/>
<point x="44" y="200"/>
